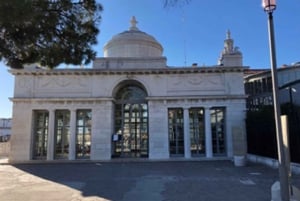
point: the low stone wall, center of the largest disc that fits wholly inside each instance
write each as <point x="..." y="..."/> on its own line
<point x="295" y="167"/>
<point x="4" y="149"/>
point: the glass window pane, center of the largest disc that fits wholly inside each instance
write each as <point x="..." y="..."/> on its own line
<point x="83" y="136"/>
<point x="197" y="132"/>
<point x="40" y="134"/>
<point x="131" y="93"/>
<point x="176" y="138"/>
<point x="218" y="130"/>
<point x="131" y="125"/>
<point x="62" y="134"/>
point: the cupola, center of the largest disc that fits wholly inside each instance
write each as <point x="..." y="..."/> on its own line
<point x="133" y="43"/>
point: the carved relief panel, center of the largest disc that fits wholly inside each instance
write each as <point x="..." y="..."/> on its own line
<point x="62" y="85"/>
<point x="23" y="86"/>
<point x="196" y="84"/>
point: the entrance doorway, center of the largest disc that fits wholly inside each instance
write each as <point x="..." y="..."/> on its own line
<point x="130" y="139"/>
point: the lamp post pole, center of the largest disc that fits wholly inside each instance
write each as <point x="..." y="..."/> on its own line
<point x="269" y="6"/>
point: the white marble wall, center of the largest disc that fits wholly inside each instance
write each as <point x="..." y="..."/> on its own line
<point x="158" y="130"/>
<point x="88" y="90"/>
<point x="21" y="132"/>
<point x="64" y="85"/>
<point x="236" y="115"/>
<point x="102" y="130"/>
<point x="130" y="63"/>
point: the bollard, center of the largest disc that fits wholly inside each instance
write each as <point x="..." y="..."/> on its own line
<point x="239" y="161"/>
<point x="275" y="193"/>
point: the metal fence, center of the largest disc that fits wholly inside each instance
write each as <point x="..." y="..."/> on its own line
<point x="261" y="135"/>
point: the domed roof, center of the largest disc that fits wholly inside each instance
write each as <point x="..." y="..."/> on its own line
<point x="133" y="43"/>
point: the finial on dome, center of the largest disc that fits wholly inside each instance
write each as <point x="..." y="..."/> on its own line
<point x="228" y="34"/>
<point x="133" y="23"/>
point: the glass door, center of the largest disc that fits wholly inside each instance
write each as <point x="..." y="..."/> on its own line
<point x="218" y="130"/>
<point x="176" y="138"/>
<point x="132" y="130"/>
<point x="62" y="134"/>
<point x="197" y="132"/>
<point x="40" y="134"/>
<point x="83" y="134"/>
<point x="131" y="122"/>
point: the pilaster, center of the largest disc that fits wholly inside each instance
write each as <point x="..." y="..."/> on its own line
<point x="51" y="126"/>
<point x="187" y="138"/>
<point x="72" y="143"/>
<point x="208" y="134"/>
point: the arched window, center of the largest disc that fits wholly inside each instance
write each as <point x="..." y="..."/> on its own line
<point x="131" y="93"/>
<point x="131" y="122"/>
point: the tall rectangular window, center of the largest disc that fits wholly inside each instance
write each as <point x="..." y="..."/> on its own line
<point x="83" y="134"/>
<point x="40" y="134"/>
<point x="176" y="138"/>
<point x="62" y="134"/>
<point x="218" y="130"/>
<point x="197" y="133"/>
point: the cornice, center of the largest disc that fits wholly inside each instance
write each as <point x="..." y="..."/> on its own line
<point x="201" y="97"/>
<point x="92" y="71"/>
<point x="150" y="98"/>
<point x="60" y="100"/>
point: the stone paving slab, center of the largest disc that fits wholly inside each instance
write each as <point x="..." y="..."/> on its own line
<point x="138" y="181"/>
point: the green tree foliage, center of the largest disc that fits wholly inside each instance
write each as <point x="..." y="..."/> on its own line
<point x="48" y="32"/>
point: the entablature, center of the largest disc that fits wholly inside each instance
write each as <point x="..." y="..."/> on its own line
<point x="90" y="71"/>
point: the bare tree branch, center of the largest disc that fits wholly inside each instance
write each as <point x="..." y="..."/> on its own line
<point x="172" y="3"/>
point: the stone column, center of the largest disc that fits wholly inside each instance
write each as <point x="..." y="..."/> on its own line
<point x="158" y="130"/>
<point x="51" y="126"/>
<point x="187" y="138"/>
<point x="208" y="135"/>
<point x="72" y="143"/>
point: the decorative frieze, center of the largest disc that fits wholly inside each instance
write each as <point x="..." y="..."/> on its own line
<point x="202" y="82"/>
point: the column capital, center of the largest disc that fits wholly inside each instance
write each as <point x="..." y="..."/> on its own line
<point x="51" y="109"/>
<point x="73" y="109"/>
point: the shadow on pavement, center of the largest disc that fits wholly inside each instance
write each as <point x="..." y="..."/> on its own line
<point x="184" y="180"/>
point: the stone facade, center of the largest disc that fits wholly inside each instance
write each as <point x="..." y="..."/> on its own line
<point x="127" y="107"/>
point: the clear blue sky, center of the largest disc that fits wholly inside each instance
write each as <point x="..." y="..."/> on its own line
<point x="195" y="32"/>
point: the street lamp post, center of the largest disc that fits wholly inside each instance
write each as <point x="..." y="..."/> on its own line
<point x="269" y="6"/>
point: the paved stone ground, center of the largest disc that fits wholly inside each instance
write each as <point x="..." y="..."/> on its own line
<point x="138" y="181"/>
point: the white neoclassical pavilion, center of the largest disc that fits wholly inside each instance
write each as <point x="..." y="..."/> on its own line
<point x="130" y="105"/>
